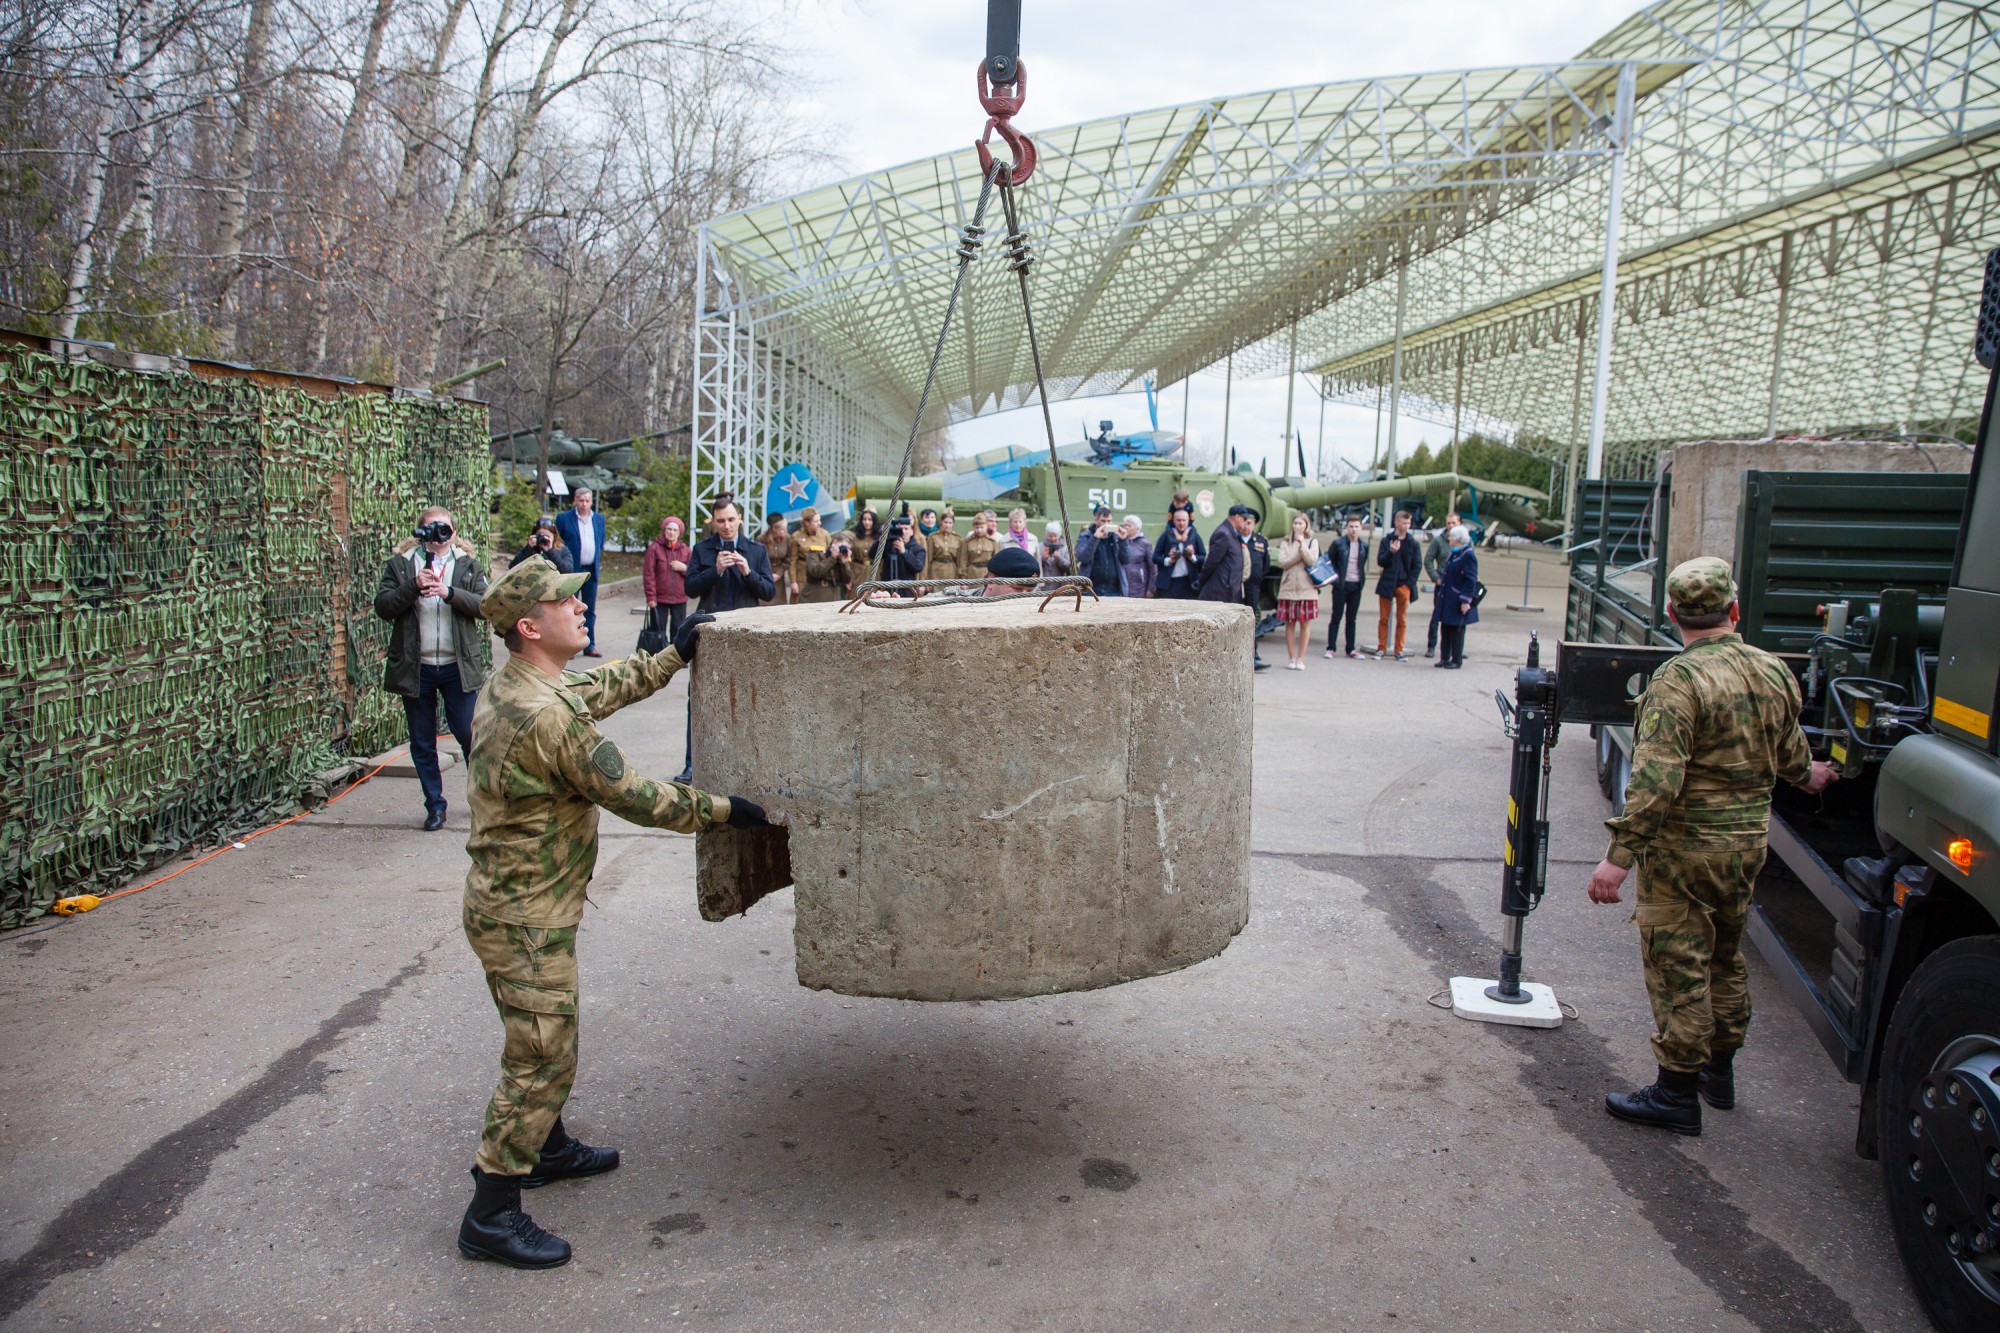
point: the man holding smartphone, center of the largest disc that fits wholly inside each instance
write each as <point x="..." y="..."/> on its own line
<point x="730" y="572"/>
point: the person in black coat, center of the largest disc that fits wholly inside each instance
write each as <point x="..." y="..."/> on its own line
<point x="902" y="554"/>
<point x="1457" y="596"/>
<point x="1221" y="577"/>
<point x="1256" y="550"/>
<point x="1401" y="559"/>
<point x="542" y="542"/>
<point x="1179" y="549"/>
<point x="729" y="571"/>
<point x="1349" y="554"/>
<point x="1098" y="555"/>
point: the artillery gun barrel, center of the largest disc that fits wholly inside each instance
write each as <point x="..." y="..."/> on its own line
<point x="467" y="376"/>
<point x="914" y="488"/>
<point x="1313" y="497"/>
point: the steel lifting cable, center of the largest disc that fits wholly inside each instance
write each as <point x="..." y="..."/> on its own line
<point x="1000" y="104"/>
<point x="1018" y="259"/>
<point x="968" y="250"/>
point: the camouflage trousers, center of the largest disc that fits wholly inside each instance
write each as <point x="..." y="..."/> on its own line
<point x="531" y="974"/>
<point x="1693" y="906"/>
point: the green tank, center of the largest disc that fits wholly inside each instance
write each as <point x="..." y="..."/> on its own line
<point x="1145" y="488"/>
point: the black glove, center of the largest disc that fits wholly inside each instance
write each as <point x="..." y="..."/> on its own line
<point x="685" y="637"/>
<point x="744" y="813"/>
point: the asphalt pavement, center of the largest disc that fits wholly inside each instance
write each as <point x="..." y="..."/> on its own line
<point x="247" y="1098"/>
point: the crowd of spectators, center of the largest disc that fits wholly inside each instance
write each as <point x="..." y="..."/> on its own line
<point x="726" y="570"/>
<point x="430" y="588"/>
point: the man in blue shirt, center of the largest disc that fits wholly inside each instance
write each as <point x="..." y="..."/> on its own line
<point x="582" y="530"/>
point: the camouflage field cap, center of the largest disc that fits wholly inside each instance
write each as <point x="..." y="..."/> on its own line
<point x="514" y="594"/>
<point x="1701" y="586"/>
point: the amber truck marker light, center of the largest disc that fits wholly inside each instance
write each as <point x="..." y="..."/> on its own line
<point x="1959" y="850"/>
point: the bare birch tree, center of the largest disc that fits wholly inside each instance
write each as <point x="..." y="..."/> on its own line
<point x="387" y="188"/>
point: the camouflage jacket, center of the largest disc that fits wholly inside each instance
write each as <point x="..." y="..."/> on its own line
<point x="1717" y="727"/>
<point x="538" y="771"/>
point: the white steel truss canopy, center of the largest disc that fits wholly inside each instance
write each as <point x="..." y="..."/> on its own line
<point x="1805" y="190"/>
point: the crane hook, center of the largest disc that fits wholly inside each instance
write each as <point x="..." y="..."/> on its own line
<point x="1001" y="104"/>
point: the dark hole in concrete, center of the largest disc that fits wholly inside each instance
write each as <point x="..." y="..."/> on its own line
<point x="1101" y="1173"/>
<point x="690" y="1223"/>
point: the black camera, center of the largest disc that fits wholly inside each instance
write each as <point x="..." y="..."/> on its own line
<point x="843" y="549"/>
<point x="437" y="530"/>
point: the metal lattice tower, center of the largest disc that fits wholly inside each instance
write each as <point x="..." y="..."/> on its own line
<point x="1802" y="193"/>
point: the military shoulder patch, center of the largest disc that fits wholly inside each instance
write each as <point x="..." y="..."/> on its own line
<point x="1649" y="726"/>
<point x="608" y="761"/>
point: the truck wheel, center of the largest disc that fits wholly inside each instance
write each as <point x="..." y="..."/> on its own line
<point x="1614" y="770"/>
<point x="1939" y="1128"/>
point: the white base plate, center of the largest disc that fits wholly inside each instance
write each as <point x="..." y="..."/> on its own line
<point x="1469" y="1000"/>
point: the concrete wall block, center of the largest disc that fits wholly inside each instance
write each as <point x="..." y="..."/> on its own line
<point x="1708" y="480"/>
<point x="986" y="802"/>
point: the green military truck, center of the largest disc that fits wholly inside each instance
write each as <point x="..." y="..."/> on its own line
<point x="1879" y="909"/>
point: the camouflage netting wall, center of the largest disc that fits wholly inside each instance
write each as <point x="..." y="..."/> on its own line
<point x="188" y="562"/>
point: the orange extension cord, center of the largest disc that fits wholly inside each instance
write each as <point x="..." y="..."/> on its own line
<point x="85" y="902"/>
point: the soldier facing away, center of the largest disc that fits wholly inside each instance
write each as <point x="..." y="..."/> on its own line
<point x="1717" y="727"/>
<point x="537" y="773"/>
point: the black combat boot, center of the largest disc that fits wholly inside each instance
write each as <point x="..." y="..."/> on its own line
<point x="563" y="1157"/>
<point x="1670" y="1103"/>
<point x="496" y="1228"/>
<point x="1718" y="1080"/>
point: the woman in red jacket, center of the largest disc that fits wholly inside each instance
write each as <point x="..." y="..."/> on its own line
<point x="667" y="558"/>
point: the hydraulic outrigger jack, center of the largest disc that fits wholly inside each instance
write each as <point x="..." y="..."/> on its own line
<point x="1531" y="722"/>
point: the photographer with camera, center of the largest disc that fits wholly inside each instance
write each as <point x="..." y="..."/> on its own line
<point x="1099" y="554"/>
<point x="831" y="573"/>
<point x="903" y="555"/>
<point x="430" y="591"/>
<point x="1054" y="557"/>
<point x="542" y="542"/>
<point x="1179" y="556"/>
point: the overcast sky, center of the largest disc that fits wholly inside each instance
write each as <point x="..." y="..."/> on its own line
<point x="892" y="81"/>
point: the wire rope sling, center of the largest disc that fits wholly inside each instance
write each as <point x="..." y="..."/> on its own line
<point x="1002" y="84"/>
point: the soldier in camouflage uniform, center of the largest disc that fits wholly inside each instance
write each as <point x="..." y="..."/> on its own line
<point x="1717" y="727"/>
<point x="538" y="771"/>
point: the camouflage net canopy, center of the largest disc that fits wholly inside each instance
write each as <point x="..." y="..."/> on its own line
<point x="189" y="554"/>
